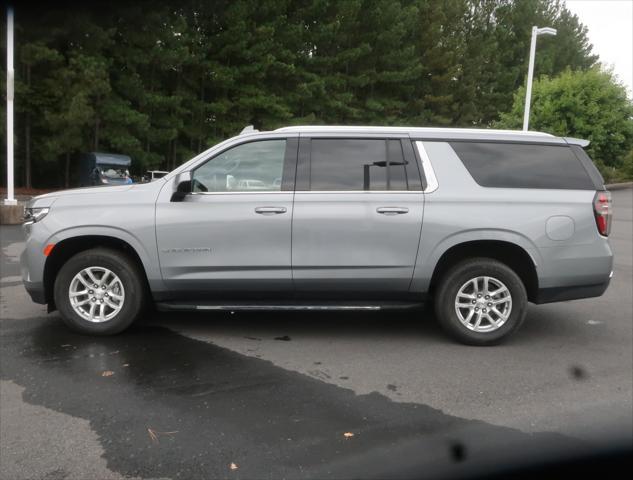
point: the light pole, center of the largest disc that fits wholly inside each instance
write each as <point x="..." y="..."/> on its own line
<point x="10" y="200"/>
<point x="528" y="93"/>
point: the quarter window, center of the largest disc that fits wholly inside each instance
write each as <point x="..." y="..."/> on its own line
<point x="508" y="165"/>
<point x="249" y="167"/>
<point x="357" y="165"/>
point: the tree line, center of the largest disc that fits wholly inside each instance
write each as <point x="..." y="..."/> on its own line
<point x="162" y="81"/>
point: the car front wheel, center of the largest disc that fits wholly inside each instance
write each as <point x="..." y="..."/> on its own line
<point x="99" y="292"/>
<point x="481" y="301"/>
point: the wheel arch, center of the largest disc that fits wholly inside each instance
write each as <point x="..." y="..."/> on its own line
<point x="72" y="245"/>
<point x="511" y="254"/>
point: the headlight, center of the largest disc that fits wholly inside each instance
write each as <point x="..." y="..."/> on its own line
<point x="32" y="215"/>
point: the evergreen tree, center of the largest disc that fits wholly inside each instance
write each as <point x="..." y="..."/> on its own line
<point x="590" y="105"/>
<point x="161" y="81"/>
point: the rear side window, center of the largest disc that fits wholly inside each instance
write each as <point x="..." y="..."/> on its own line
<point x="511" y="165"/>
<point x="593" y="172"/>
<point x="357" y="165"/>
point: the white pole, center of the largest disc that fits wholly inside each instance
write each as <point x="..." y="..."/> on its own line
<point x="10" y="200"/>
<point x="528" y="90"/>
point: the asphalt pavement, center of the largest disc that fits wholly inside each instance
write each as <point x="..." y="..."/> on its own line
<point x="309" y="395"/>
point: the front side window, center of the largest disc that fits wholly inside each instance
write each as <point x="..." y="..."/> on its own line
<point x="249" y="167"/>
<point x="357" y="165"/>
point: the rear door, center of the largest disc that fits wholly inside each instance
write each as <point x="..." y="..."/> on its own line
<point x="357" y="214"/>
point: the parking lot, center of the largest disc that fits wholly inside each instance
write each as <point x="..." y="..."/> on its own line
<point x="251" y="395"/>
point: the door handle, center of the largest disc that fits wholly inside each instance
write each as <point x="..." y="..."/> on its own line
<point x="392" y="210"/>
<point x="270" y="210"/>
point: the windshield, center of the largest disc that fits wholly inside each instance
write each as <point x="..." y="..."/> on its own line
<point x="113" y="173"/>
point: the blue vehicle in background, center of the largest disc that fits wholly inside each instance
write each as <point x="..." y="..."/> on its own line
<point x="104" y="169"/>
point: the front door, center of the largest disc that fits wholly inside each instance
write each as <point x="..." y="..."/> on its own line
<point x="233" y="232"/>
<point x="357" y="215"/>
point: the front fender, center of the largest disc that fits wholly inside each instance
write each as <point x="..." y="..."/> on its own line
<point x="145" y="248"/>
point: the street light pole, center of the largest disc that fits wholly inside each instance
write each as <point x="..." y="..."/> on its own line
<point x="10" y="200"/>
<point x="528" y="91"/>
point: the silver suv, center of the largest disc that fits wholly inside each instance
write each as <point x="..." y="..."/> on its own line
<point x="327" y="218"/>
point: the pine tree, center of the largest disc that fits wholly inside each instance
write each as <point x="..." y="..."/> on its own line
<point x="162" y="81"/>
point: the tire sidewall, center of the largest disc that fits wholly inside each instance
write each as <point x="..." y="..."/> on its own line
<point x="121" y="266"/>
<point x="445" y="305"/>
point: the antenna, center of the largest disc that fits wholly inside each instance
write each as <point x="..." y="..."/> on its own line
<point x="248" y="129"/>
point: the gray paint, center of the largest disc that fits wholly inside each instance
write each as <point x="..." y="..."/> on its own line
<point x="122" y="212"/>
<point x="560" y="227"/>
<point x="246" y="249"/>
<point x="335" y="241"/>
<point x="460" y="210"/>
<point x="341" y="242"/>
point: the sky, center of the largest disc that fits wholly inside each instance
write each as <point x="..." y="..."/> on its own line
<point x="610" y="24"/>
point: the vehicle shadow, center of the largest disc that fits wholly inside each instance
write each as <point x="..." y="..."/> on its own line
<point x="419" y="323"/>
<point x="543" y="324"/>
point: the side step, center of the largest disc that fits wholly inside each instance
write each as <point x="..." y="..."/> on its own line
<point x="259" y="305"/>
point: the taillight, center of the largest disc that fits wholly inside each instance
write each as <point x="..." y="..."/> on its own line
<point x="602" y="212"/>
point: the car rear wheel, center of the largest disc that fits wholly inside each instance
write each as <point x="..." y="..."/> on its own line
<point x="481" y="301"/>
<point x="99" y="292"/>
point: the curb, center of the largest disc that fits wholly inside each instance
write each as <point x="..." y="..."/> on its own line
<point x="619" y="186"/>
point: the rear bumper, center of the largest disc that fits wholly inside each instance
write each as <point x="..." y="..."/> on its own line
<point x="561" y="294"/>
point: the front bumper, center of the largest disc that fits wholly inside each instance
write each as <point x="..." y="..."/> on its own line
<point x="32" y="263"/>
<point x="36" y="291"/>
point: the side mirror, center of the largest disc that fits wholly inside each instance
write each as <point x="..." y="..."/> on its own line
<point x="182" y="186"/>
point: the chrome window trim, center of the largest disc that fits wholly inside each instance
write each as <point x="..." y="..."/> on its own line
<point x="427" y="167"/>
<point x="363" y="192"/>
<point x="243" y="192"/>
<point x="292" y="192"/>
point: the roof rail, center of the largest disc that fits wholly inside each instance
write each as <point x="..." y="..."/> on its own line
<point x="434" y="130"/>
<point x="248" y="129"/>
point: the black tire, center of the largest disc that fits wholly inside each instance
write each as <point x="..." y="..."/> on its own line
<point x="122" y="266"/>
<point x="457" y="276"/>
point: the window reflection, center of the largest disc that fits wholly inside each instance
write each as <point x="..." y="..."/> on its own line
<point x="250" y="167"/>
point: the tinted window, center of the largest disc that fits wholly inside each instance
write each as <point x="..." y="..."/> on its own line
<point x="357" y="165"/>
<point x="523" y="165"/>
<point x="594" y="174"/>
<point x="250" y="167"/>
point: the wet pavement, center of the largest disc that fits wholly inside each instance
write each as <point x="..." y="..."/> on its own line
<point x="308" y="395"/>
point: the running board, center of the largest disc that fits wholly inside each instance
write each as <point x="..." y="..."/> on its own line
<point x="280" y="306"/>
